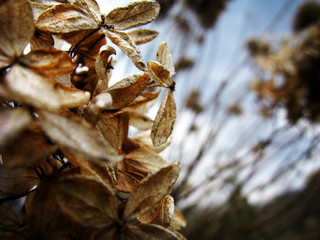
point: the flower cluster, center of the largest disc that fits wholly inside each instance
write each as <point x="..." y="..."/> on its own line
<point x="64" y="131"/>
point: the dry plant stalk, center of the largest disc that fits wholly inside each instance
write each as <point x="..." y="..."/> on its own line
<point x="64" y="131"/>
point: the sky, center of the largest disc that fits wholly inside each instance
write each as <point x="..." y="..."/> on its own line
<point x="221" y="52"/>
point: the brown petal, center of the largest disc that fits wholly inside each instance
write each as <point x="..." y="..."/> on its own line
<point x="12" y="123"/>
<point x="14" y="182"/>
<point x="114" y="128"/>
<point x="150" y="231"/>
<point x="29" y="87"/>
<point x="41" y="41"/>
<point x="91" y="169"/>
<point x="144" y="160"/>
<point x="127" y="46"/>
<point x="49" y="62"/>
<point x="65" y="18"/>
<point x="9" y="222"/>
<point x="28" y="149"/>
<point x="161" y="214"/>
<point x="164" y="121"/>
<point x="87" y="201"/>
<point x="140" y="121"/>
<point x="128" y="89"/>
<point x="150" y="191"/>
<point x="165" y="58"/>
<point x="133" y="15"/>
<point x="77" y="134"/>
<point x="159" y="73"/>
<point x="103" y="67"/>
<point x="16" y="27"/>
<point x="141" y="36"/>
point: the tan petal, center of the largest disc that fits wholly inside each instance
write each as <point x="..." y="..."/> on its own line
<point x="165" y="58"/>
<point x="29" y="87"/>
<point x="141" y="36"/>
<point x="103" y="67"/>
<point x="87" y="201"/>
<point x="38" y="8"/>
<point x="150" y="191"/>
<point x="128" y="89"/>
<point x="65" y="18"/>
<point x="133" y="15"/>
<point x="49" y="62"/>
<point x="178" y="221"/>
<point x="12" y="123"/>
<point x="127" y="46"/>
<point x="144" y="160"/>
<point x="114" y="128"/>
<point x="143" y="102"/>
<point x="145" y="140"/>
<point x="75" y="133"/>
<point x="14" y="182"/>
<point x="16" y="27"/>
<point x="140" y="121"/>
<point x="159" y="73"/>
<point x="150" y="231"/>
<point x="164" y="121"/>
<point x="91" y="7"/>
<point x="161" y="214"/>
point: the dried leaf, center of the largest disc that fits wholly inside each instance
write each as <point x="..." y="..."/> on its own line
<point x="150" y="191"/>
<point x="165" y="58"/>
<point x="38" y="8"/>
<point x="49" y="62"/>
<point x="159" y="74"/>
<point x="150" y="231"/>
<point x="144" y="160"/>
<point x="16" y="27"/>
<point x="29" y="87"/>
<point x="65" y="18"/>
<point x="75" y="133"/>
<point x="161" y="214"/>
<point x="12" y="123"/>
<point x="127" y="46"/>
<point x="133" y="15"/>
<point x="14" y="182"/>
<point x="87" y="201"/>
<point x="114" y="128"/>
<point x="140" y="121"/>
<point x="128" y="89"/>
<point x="141" y="36"/>
<point x="164" y="121"/>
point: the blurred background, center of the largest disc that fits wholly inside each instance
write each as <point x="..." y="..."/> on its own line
<point x="248" y="99"/>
